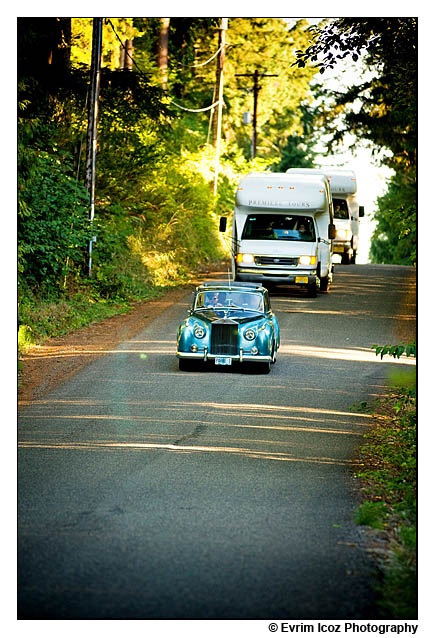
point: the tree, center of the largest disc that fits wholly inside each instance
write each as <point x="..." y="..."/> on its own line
<point x="382" y="109"/>
<point x="268" y="45"/>
<point x="394" y="238"/>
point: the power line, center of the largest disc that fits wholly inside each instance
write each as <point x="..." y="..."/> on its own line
<point x="108" y="21"/>
<point x="196" y="66"/>
<point x="208" y="108"/>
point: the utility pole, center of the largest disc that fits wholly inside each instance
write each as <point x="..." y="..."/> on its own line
<point x="256" y="89"/>
<point x="219" y="79"/>
<point x="91" y="151"/>
<point x="217" y="115"/>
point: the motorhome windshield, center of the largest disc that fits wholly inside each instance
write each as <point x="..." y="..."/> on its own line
<point x="279" y="227"/>
<point x="340" y="208"/>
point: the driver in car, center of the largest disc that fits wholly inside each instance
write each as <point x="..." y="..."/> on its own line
<point x="216" y="298"/>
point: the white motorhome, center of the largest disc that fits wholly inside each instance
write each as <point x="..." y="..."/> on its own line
<point x="282" y="230"/>
<point x="346" y="210"/>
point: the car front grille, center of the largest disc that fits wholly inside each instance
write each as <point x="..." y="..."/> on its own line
<point x="224" y="338"/>
<point x="264" y="260"/>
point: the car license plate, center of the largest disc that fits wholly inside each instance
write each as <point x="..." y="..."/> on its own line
<point x="223" y="361"/>
<point x="339" y="249"/>
<point x="301" y="280"/>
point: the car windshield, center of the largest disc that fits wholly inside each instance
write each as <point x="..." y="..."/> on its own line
<point x="279" y="227"/>
<point x="230" y="299"/>
<point x="340" y="208"/>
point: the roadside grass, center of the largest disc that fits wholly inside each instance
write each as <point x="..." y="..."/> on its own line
<point x="42" y="319"/>
<point x="388" y="477"/>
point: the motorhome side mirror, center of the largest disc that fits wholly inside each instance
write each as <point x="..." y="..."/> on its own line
<point x="223" y="224"/>
<point x="332" y="231"/>
<point x="361" y="211"/>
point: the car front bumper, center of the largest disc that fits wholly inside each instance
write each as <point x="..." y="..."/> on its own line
<point x="341" y="247"/>
<point x="261" y="275"/>
<point x="242" y="357"/>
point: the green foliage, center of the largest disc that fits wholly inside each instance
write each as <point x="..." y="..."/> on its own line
<point x="382" y="109"/>
<point x="53" y="227"/>
<point x="372" y="514"/>
<point x="386" y="104"/>
<point x="299" y="151"/>
<point x="390" y="480"/>
<point x="40" y="319"/>
<point x="156" y="220"/>
<point x="396" y="351"/>
<point x="268" y="45"/>
<point x="394" y="238"/>
<point x="400" y="593"/>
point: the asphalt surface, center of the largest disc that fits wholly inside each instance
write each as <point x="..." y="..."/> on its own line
<point x="149" y="493"/>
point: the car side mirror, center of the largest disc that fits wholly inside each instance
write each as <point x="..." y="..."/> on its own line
<point x="361" y="211"/>
<point x="332" y="231"/>
<point x="223" y="224"/>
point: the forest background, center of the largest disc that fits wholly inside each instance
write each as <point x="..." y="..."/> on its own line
<point x="156" y="214"/>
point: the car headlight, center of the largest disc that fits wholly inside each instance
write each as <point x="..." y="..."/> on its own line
<point x="307" y="260"/>
<point x="245" y="258"/>
<point x="199" y="331"/>
<point x="343" y="234"/>
<point x="249" y="334"/>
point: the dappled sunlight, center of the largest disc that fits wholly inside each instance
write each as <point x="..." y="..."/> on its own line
<point x="277" y="408"/>
<point x="299" y="433"/>
<point x="169" y="342"/>
<point x="173" y="447"/>
<point x="344" y="354"/>
<point x="252" y="410"/>
<point x="56" y="353"/>
<point x="176" y="421"/>
<point x="309" y="311"/>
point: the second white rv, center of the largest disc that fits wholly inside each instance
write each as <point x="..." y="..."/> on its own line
<point x="346" y="209"/>
<point x="282" y="230"/>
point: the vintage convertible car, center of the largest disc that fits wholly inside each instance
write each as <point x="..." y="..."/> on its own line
<point x="229" y="322"/>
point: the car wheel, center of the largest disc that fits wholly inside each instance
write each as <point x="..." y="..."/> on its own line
<point x="312" y="289"/>
<point x="186" y="364"/>
<point x="324" y="284"/>
<point x="264" y="367"/>
<point x="274" y="353"/>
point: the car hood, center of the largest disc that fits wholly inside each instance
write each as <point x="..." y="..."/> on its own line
<point x="213" y="315"/>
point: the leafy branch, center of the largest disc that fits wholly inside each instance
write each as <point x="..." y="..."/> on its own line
<point x="396" y="351"/>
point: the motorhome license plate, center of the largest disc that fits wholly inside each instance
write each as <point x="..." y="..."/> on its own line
<point x="223" y="361"/>
<point x="301" y="280"/>
<point x="339" y="249"/>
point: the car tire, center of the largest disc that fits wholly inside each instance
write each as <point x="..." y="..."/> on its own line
<point x="324" y="284"/>
<point x="186" y="364"/>
<point x="264" y="367"/>
<point x="312" y="290"/>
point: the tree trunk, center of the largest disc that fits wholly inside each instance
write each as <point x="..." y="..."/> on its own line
<point x="163" y="51"/>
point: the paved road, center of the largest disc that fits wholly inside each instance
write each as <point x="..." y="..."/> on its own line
<point x="145" y="492"/>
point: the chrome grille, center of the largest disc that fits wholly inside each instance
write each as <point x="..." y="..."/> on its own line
<point x="224" y="339"/>
<point x="264" y="260"/>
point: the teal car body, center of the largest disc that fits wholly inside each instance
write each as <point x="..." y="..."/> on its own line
<point x="229" y="323"/>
